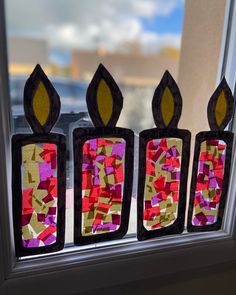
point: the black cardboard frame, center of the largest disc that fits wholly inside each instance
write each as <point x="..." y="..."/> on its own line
<point x="223" y="86"/>
<point x="91" y="98"/>
<point x="228" y="137"/>
<point x="178" y="226"/>
<point x="80" y="135"/>
<point x="18" y="141"/>
<point x="54" y="99"/>
<point x="166" y="81"/>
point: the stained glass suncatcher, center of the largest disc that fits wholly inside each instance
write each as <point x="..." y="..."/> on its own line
<point x="38" y="172"/>
<point x="103" y="160"/>
<point x="209" y="182"/>
<point x="163" y="166"/>
<point x="102" y="185"/>
<point x="211" y="165"/>
<point x="39" y="194"/>
<point x="161" y="194"/>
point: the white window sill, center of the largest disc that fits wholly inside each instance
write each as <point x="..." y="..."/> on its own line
<point x="107" y="251"/>
<point x="71" y="271"/>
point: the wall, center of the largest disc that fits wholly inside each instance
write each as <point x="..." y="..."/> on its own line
<point x="201" y="44"/>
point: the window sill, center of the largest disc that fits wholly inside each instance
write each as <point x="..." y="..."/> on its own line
<point x="107" y="251"/>
<point x="72" y="271"/>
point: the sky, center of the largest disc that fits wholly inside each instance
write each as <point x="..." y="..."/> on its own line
<point x="114" y="25"/>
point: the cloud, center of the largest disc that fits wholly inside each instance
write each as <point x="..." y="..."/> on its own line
<point x="91" y="23"/>
<point x="150" y="8"/>
<point x="154" y="42"/>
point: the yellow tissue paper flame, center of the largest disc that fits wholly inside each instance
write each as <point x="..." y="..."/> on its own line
<point x="104" y="101"/>
<point x="220" y="108"/>
<point x="167" y="106"/>
<point x="41" y="104"/>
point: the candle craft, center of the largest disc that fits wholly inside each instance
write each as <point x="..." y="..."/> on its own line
<point x="103" y="166"/>
<point x="38" y="172"/>
<point x="211" y="165"/>
<point x="163" y="166"/>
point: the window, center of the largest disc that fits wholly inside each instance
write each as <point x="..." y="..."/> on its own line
<point x="154" y="256"/>
<point x="136" y="60"/>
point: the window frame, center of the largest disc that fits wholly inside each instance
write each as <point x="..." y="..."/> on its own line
<point x="127" y="260"/>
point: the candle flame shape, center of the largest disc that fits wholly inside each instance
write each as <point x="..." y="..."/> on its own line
<point x="41" y="102"/>
<point x="220" y="107"/>
<point x="167" y="103"/>
<point x="104" y="99"/>
<point x="104" y="94"/>
<point x="167" y="106"/>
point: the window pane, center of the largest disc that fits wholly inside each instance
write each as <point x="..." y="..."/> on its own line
<point x="136" y="41"/>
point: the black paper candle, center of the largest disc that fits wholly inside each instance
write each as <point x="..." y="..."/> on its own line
<point x="163" y="166"/>
<point x="103" y="166"/>
<point x="38" y="172"/>
<point x="211" y="165"/>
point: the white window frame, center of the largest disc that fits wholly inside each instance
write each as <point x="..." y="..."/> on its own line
<point x="72" y="271"/>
